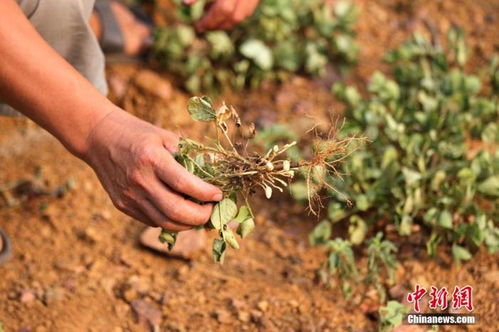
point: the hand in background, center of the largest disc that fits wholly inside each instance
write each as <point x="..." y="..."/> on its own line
<point x="134" y="162"/>
<point x="225" y="14"/>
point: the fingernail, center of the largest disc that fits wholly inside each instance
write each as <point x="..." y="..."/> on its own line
<point x="218" y="197"/>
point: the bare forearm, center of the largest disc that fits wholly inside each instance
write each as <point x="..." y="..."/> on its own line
<point x="42" y="85"/>
<point x="132" y="158"/>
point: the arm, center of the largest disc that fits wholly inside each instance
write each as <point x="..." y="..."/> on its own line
<point x="132" y="158"/>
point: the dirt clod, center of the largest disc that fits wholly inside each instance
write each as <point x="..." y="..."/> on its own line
<point x="146" y="314"/>
<point x="27" y="296"/>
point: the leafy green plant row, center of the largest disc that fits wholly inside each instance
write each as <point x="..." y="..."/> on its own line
<point x="283" y="37"/>
<point x="418" y="168"/>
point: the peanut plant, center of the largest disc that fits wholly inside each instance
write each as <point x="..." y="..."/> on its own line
<point x="418" y="169"/>
<point x="282" y="38"/>
<point x="229" y="163"/>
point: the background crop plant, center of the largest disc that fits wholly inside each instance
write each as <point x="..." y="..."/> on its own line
<point x="230" y="163"/>
<point x="283" y="37"/>
<point x="381" y="264"/>
<point x="392" y="315"/>
<point x="421" y="164"/>
<point x="418" y="167"/>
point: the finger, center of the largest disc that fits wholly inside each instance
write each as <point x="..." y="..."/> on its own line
<point x="139" y="216"/>
<point x="170" y="141"/>
<point x="160" y="220"/>
<point x="219" y="13"/>
<point x="177" y="208"/>
<point x="189" y="2"/>
<point x="181" y="181"/>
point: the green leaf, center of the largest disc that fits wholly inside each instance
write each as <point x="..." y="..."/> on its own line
<point x="335" y="212"/>
<point x="221" y="44"/>
<point x="460" y="253"/>
<point x="490" y="134"/>
<point x="411" y="177"/>
<point x="246" y="227"/>
<point x="299" y="190"/>
<point x="392" y="315"/>
<point x="223" y="212"/>
<point x="257" y="51"/>
<point x="357" y="230"/>
<point x="432" y="244"/>
<point x="445" y="219"/>
<point x="490" y="186"/>
<point x="361" y="202"/>
<point x="390" y="155"/>
<point x="321" y="233"/>
<point x="404" y="228"/>
<point x="219" y="248"/>
<point x="229" y="237"/>
<point x="201" y="109"/>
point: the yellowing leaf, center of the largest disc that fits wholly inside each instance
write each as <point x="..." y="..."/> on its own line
<point x="246" y="227"/>
<point x="229" y="237"/>
<point x="223" y="212"/>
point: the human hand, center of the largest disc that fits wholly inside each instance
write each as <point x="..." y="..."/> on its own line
<point x="225" y="14"/>
<point x="134" y="162"/>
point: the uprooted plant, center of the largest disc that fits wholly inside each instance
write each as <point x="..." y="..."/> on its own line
<point x="229" y="163"/>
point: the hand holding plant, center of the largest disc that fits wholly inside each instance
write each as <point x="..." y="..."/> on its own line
<point x="228" y="164"/>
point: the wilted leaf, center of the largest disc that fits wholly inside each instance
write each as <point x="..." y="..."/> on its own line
<point x="243" y="214"/>
<point x="219" y="248"/>
<point x="229" y="237"/>
<point x="246" y="227"/>
<point x="201" y="109"/>
<point x="168" y="237"/>
<point x="223" y="212"/>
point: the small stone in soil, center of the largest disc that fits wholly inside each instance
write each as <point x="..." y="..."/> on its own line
<point x="263" y="305"/>
<point x="294" y="303"/>
<point x="25" y="329"/>
<point x="223" y="316"/>
<point x="52" y="295"/>
<point x="27" y="295"/>
<point x="145" y="313"/>
<point x="256" y="316"/>
<point x="243" y="316"/>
